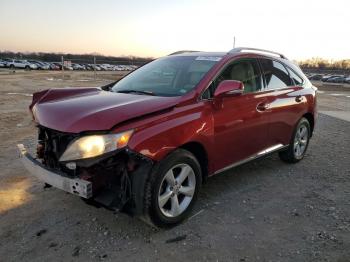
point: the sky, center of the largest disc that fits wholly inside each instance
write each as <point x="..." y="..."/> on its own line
<point x="300" y="29"/>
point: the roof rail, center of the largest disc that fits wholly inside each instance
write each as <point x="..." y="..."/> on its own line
<point x="241" y="49"/>
<point x="182" y="52"/>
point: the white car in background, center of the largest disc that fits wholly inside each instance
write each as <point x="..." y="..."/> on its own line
<point x="2" y="63"/>
<point x="106" y="67"/>
<point x="120" y="68"/>
<point x="14" y="63"/>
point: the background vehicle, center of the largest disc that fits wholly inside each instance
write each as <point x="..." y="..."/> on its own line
<point x="329" y="77"/>
<point x="145" y="143"/>
<point x="68" y="67"/>
<point x="105" y="67"/>
<point x="96" y="67"/>
<point x="316" y="77"/>
<point x="23" y="64"/>
<point x="6" y="61"/>
<point x="55" y="66"/>
<point x="78" y="67"/>
<point x="89" y="67"/>
<point x="40" y="65"/>
<point x="59" y="65"/>
<point x="2" y="63"/>
<point x="336" y="79"/>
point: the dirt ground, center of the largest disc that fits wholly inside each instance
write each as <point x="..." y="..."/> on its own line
<point x="265" y="210"/>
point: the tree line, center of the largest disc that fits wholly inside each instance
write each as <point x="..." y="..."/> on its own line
<point x="320" y="63"/>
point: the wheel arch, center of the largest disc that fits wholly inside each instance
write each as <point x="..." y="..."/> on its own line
<point x="199" y="151"/>
<point x="310" y="117"/>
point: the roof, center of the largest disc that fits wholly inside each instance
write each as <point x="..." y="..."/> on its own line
<point x="198" y="53"/>
<point x="237" y="50"/>
<point x="256" y="50"/>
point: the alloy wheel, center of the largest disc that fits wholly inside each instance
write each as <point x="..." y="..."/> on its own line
<point x="176" y="190"/>
<point x="300" y="141"/>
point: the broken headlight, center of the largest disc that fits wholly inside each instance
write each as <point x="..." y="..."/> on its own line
<point x="95" y="145"/>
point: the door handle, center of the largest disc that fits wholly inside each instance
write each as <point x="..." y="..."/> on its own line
<point x="262" y="107"/>
<point x="298" y="99"/>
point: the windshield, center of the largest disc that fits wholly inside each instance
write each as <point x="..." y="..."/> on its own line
<point x="168" y="76"/>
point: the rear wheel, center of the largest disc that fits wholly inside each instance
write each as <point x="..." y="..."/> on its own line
<point x="27" y="68"/>
<point x="298" y="144"/>
<point x="173" y="188"/>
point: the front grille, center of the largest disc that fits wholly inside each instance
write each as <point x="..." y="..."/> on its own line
<point x="53" y="144"/>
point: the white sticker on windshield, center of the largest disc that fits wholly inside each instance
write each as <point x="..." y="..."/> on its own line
<point x="209" y="58"/>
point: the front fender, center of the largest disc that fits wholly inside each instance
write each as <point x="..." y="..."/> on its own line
<point x="191" y="123"/>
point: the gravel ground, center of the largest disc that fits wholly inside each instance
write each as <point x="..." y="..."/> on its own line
<point x="265" y="210"/>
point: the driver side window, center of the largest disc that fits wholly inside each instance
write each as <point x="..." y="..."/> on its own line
<point x="245" y="70"/>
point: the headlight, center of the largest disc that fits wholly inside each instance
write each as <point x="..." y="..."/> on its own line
<point x="95" y="145"/>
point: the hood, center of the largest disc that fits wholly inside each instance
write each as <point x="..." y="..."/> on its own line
<point x="74" y="110"/>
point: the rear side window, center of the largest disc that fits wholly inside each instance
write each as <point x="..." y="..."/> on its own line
<point x="296" y="79"/>
<point x="276" y="75"/>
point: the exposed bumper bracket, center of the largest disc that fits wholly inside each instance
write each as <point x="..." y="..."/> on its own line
<point x="75" y="186"/>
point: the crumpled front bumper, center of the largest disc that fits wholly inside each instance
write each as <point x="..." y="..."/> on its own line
<point x="74" y="186"/>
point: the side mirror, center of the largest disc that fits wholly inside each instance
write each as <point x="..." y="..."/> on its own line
<point x="229" y="88"/>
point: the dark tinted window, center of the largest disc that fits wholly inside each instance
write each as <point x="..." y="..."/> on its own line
<point x="276" y="75"/>
<point x="245" y="70"/>
<point x="297" y="79"/>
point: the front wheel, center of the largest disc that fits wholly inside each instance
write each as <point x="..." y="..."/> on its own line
<point x="173" y="188"/>
<point x="298" y="144"/>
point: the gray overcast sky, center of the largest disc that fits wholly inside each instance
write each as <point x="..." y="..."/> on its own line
<point x="300" y="29"/>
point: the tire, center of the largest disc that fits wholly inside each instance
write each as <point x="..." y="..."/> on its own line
<point x="163" y="190"/>
<point x="27" y="68"/>
<point x="298" y="143"/>
<point x="12" y="66"/>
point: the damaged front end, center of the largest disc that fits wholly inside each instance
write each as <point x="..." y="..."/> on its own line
<point x="115" y="179"/>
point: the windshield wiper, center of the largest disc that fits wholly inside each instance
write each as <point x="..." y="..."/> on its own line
<point x="127" y="91"/>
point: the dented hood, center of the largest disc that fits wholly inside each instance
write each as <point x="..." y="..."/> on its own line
<point x="75" y="110"/>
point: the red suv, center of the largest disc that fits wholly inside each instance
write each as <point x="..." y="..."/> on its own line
<point x="145" y="143"/>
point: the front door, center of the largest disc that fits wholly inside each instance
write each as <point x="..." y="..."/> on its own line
<point x="241" y="123"/>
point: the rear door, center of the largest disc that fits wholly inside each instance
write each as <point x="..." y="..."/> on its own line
<point x="240" y="124"/>
<point x="18" y="64"/>
<point x="286" y="102"/>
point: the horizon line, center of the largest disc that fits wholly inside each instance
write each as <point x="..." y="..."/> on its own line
<point x="140" y="57"/>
